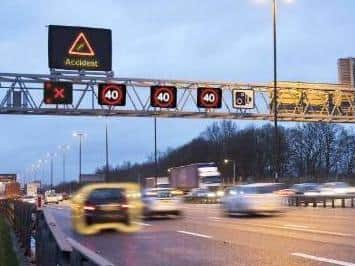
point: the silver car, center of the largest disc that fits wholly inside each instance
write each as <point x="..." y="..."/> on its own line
<point x="161" y="201"/>
<point x="252" y="198"/>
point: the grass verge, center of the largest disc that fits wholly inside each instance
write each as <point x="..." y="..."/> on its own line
<point x="7" y="254"/>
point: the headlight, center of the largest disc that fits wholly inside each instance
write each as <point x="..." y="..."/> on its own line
<point x="177" y="192"/>
<point x="211" y="194"/>
<point x="220" y="193"/>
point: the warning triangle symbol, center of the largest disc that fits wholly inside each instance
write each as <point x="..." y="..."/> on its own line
<point x="81" y="46"/>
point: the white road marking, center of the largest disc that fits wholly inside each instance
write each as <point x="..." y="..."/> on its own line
<point x="194" y="234"/>
<point x="296" y="225"/>
<point x="331" y="261"/>
<point x="143" y="224"/>
<point x="215" y="218"/>
<point x="316" y="231"/>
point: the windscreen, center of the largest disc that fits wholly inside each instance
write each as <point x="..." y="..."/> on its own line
<point x="211" y="179"/>
<point x="106" y="195"/>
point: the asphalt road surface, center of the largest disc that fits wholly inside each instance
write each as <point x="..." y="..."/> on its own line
<point x="301" y="236"/>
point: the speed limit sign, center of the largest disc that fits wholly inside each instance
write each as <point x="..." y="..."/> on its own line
<point x="112" y="94"/>
<point x="163" y="96"/>
<point x="209" y="97"/>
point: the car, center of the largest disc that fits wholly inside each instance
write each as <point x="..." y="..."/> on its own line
<point x="252" y="198"/>
<point x="161" y="201"/>
<point x="29" y="199"/>
<point x="336" y="188"/>
<point x="60" y="196"/>
<point x="106" y="205"/>
<point x="50" y="197"/>
<point x="96" y="207"/>
<point x="65" y="195"/>
<point x="305" y="188"/>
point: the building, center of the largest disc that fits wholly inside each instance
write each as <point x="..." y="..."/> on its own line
<point x="346" y="71"/>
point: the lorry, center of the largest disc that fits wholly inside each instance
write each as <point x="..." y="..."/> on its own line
<point x="197" y="175"/>
<point x="10" y="189"/>
<point x="33" y="188"/>
<point x="156" y="182"/>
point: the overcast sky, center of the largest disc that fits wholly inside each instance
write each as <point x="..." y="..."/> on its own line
<point x="198" y="40"/>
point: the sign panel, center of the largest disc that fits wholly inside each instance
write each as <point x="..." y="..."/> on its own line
<point x="163" y="96"/>
<point x="7" y="177"/>
<point x="243" y="99"/>
<point x="112" y="94"/>
<point x="209" y="97"/>
<point x="79" y="48"/>
<point x="58" y="92"/>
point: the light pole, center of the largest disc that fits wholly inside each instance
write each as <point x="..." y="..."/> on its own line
<point x="226" y="161"/>
<point x="276" y="131"/>
<point x="51" y="155"/>
<point x="81" y="135"/>
<point x="63" y="148"/>
<point x="155" y="147"/>
<point x="274" y="103"/>
<point x="107" y="152"/>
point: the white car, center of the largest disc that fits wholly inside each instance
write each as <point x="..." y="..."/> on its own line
<point x="252" y="198"/>
<point x="51" y="198"/>
<point x="161" y="201"/>
<point x="60" y="196"/>
<point x="29" y="199"/>
<point x="336" y="188"/>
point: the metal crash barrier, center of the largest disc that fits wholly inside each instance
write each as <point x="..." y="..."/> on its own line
<point x="20" y="215"/>
<point x="321" y="200"/>
<point x="53" y="247"/>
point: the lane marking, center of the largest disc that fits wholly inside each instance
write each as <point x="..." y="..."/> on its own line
<point x="194" y="234"/>
<point x="322" y="259"/>
<point x="215" y="218"/>
<point x="143" y="224"/>
<point x="296" y="225"/>
<point x="285" y="227"/>
<point x="315" y="231"/>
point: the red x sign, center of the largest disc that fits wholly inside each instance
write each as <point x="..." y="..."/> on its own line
<point x="58" y="92"/>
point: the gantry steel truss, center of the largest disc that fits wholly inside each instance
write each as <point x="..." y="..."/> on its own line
<point x="297" y="101"/>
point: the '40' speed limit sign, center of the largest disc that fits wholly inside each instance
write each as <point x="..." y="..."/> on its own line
<point x="209" y="97"/>
<point x="112" y="94"/>
<point x="163" y="96"/>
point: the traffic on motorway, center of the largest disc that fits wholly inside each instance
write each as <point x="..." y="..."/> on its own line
<point x="102" y="206"/>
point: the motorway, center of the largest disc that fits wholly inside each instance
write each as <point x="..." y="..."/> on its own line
<point x="301" y="236"/>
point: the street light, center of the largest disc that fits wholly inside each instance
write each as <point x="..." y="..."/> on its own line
<point x="274" y="102"/>
<point x="226" y="161"/>
<point x="64" y="148"/>
<point x="51" y="155"/>
<point x="81" y="134"/>
<point x="155" y="147"/>
<point x="107" y="152"/>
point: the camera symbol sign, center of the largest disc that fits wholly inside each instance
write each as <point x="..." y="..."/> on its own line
<point x="243" y="99"/>
<point x="112" y="94"/>
<point x="209" y="97"/>
<point x="163" y="96"/>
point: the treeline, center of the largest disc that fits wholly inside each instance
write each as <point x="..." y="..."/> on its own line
<point x="308" y="152"/>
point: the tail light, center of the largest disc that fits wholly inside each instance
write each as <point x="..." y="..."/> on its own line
<point x="124" y="204"/>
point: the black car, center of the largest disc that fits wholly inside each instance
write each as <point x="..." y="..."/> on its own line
<point x="106" y="205"/>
